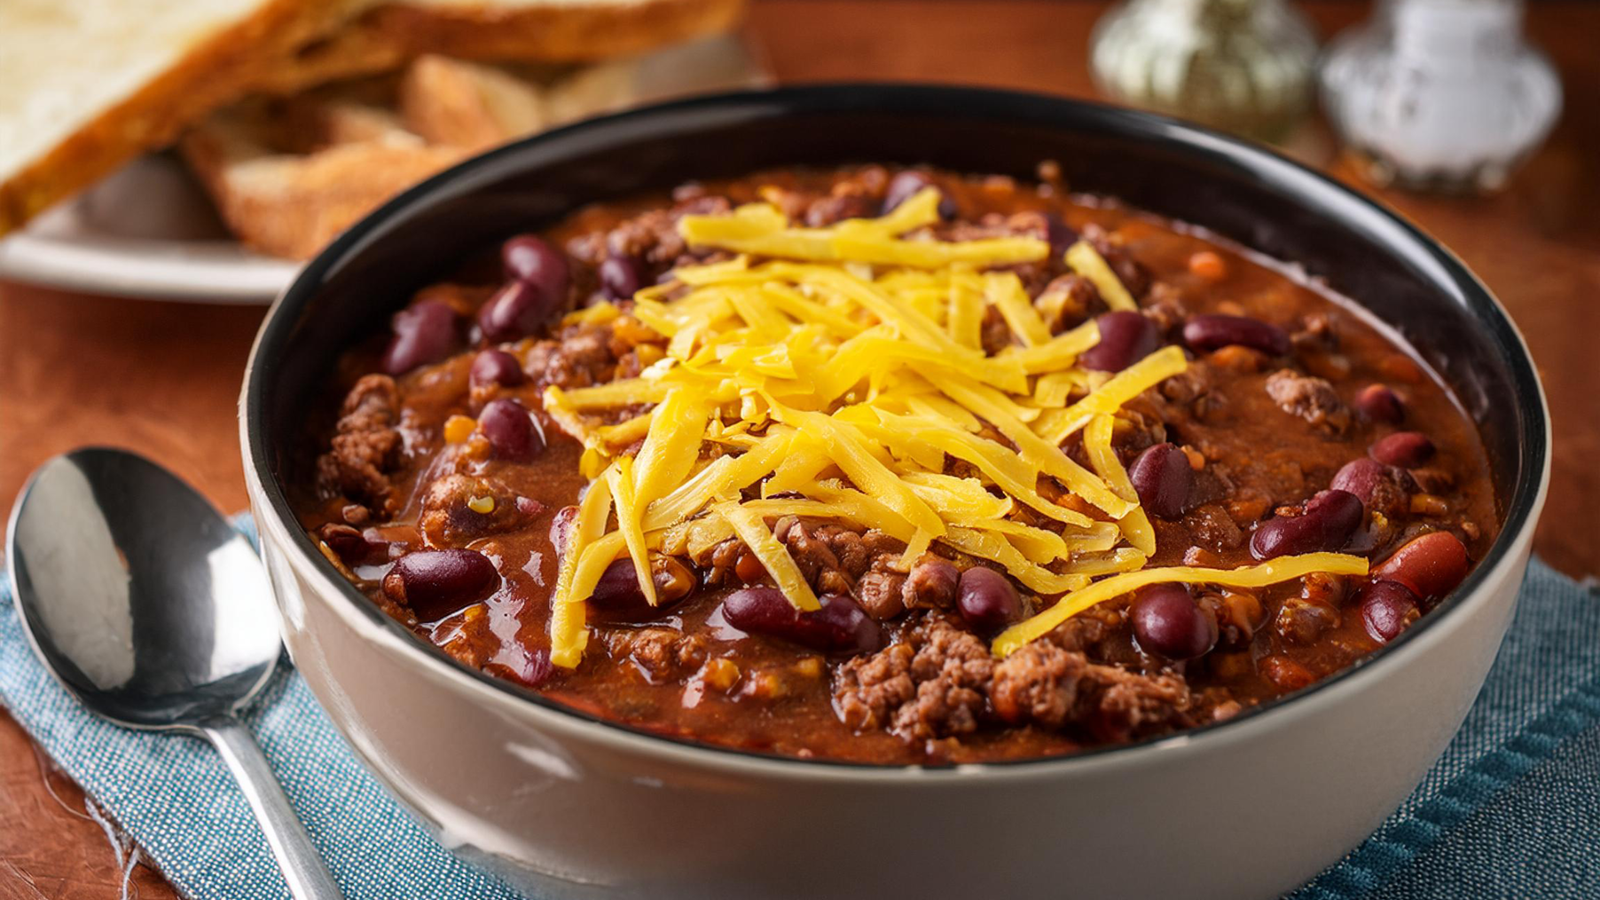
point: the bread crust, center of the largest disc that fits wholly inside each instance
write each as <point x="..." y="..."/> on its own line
<point x="386" y="36"/>
<point x="214" y="72"/>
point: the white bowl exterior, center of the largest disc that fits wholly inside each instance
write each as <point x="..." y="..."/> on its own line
<point x="568" y="808"/>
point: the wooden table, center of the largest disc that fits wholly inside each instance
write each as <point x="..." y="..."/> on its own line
<point x="163" y="378"/>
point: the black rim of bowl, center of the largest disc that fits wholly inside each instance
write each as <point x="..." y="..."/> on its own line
<point x="890" y="97"/>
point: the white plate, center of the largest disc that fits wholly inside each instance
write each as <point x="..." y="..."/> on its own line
<point x="148" y="231"/>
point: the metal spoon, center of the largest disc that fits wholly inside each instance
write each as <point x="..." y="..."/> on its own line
<point x="145" y="604"/>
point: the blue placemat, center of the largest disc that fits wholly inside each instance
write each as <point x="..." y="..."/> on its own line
<point x="1512" y="809"/>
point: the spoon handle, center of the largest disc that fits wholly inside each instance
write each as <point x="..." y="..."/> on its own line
<point x="302" y="865"/>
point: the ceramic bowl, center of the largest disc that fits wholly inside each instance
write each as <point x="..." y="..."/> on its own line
<point x="569" y="806"/>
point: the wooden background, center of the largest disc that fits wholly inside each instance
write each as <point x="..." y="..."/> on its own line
<point x="162" y="378"/>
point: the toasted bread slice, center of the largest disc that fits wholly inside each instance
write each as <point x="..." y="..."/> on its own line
<point x="287" y="178"/>
<point x="288" y="174"/>
<point x="560" y="31"/>
<point x="85" y="85"/>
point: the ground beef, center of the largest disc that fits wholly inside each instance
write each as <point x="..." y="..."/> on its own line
<point x="1045" y="685"/>
<point x="834" y="558"/>
<point x="932" y="684"/>
<point x="660" y="654"/>
<point x="1067" y="301"/>
<point x="365" y="446"/>
<point x="1310" y="398"/>
<point x="1132" y="273"/>
<point x="880" y="591"/>
<point x="447" y="520"/>
<point x="994" y="332"/>
<point x="1391" y="492"/>
<point x="651" y="237"/>
<point x="581" y="355"/>
<point x="1316" y="334"/>
<point x="849" y="200"/>
<point x="1165" y="308"/>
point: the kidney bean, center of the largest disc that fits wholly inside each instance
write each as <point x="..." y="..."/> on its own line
<point x="620" y="277"/>
<point x="531" y="260"/>
<point x="617" y="594"/>
<point x="561" y="528"/>
<point x="1163" y="478"/>
<point x="511" y="431"/>
<point x="1381" y="404"/>
<point x="423" y="333"/>
<point x="493" y="366"/>
<point x="839" y="626"/>
<point x="1406" y="449"/>
<point x="439" y="582"/>
<point x="1168" y="623"/>
<point x="987" y="600"/>
<point x="1360" y="477"/>
<point x="907" y="184"/>
<point x="1212" y="331"/>
<point x="515" y="311"/>
<point x="1327" y="522"/>
<point x="1059" y="234"/>
<point x="516" y="663"/>
<point x="1125" y="338"/>
<point x="1430" y="566"/>
<point x="1387" y="607"/>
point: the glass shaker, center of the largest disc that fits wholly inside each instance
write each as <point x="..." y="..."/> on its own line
<point x="1440" y="94"/>
<point x="1244" y="66"/>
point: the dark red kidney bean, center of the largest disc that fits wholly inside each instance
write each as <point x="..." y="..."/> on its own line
<point x="1125" y="338"/>
<point x="1163" y="478"/>
<point x="511" y="431"/>
<point x="1327" y="523"/>
<point x="1387" y="607"/>
<point x="1430" y="566"/>
<point x="1381" y="404"/>
<point x="1360" y="477"/>
<point x="531" y="260"/>
<point x="1406" y="449"/>
<point x="424" y="333"/>
<point x="839" y="626"/>
<point x="1169" y="623"/>
<point x="516" y="663"/>
<point x="1213" y="331"/>
<point x="516" y="310"/>
<point x="440" y="582"/>
<point x="907" y="184"/>
<point x="617" y="594"/>
<point x="987" y="600"/>
<point x="1059" y="234"/>
<point x="494" y="366"/>
<point x="620" y="277"/>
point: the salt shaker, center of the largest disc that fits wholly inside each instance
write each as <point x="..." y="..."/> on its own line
<point x="1440" y="94"/>
<point x="1244" y="66"/>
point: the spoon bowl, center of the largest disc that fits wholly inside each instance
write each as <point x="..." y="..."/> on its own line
<point x="147" y="606"/>
<point x="141" y="599"/>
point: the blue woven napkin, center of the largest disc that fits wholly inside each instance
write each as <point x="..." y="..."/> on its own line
<point x="1512" y="809"/>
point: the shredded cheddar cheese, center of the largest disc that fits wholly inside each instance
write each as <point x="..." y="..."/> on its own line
<point x="840" y="373"/>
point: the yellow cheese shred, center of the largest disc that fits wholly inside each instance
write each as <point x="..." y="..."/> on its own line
<point x="567" y="633"/>
<point x="620" y="478"/>
<point x="1271" y="572"/>
<point x="747" y="524"/>
<point x="839" y="373"/>
<point x="1097" y="443"/>
<point x="1087" y="261"/>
